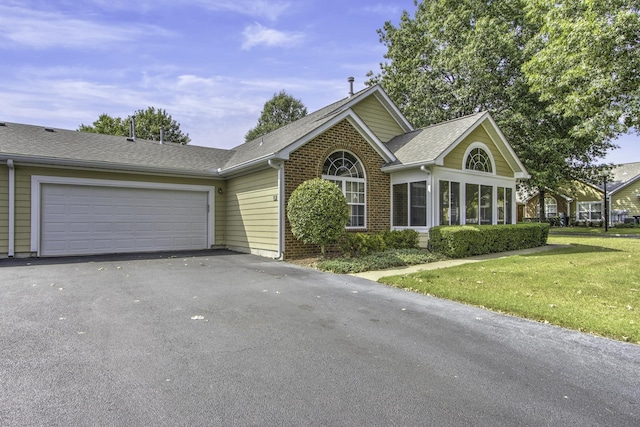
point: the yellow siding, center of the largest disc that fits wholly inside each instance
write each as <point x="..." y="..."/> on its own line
<point x="627" y="199"/>
<point x="377" y="119"/>
<point x="252" y="212"/>
<point x="584" y="193"/>
<point x="455" y="158"/>
<point x="23" y="196"/>
<point x="4" y="209"/>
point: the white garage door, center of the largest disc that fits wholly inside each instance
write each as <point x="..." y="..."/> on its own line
<point x="83" y="219"/>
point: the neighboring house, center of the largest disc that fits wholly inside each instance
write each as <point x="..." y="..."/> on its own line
<point x="70" y="193"/>
<point x="584" y="203"/>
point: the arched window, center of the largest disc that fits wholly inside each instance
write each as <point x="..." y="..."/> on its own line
<point x="346" y="171"/>
<point x="478" y="160"/>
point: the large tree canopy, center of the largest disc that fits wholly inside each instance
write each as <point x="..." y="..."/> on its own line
<point x="457" y="57"/>
<point x="147" y="126"/>
<point x="280" y="110"/>
<point x="587" y="62"/>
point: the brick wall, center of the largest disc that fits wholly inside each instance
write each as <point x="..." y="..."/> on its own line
<point x="306" y="163"/>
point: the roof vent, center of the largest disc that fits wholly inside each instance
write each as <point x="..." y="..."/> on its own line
<point x="49" y="130"/>
<point x="161" y="135"/>
<point x="132" y="129"/>
<point x="351" y="80"/>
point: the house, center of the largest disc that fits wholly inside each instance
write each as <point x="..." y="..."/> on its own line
<point x="66" y="192"/>
<point x="584" y="203"/>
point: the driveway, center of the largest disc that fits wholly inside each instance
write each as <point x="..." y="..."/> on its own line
<point x="218" y="338"/>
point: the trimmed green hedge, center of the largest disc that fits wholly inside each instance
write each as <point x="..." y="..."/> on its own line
<point x="461" y="241"/>
<point x="355" y="244"/>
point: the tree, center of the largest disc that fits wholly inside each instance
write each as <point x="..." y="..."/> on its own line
<point x="458" y="57"/>
<point x="280" y="110"/>
<point x="318" y="212"/>
<point x="587" y="62"/>
<point x="147" y="126"/>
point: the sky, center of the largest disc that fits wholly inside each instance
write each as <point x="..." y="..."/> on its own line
<point x="211" y="64"/>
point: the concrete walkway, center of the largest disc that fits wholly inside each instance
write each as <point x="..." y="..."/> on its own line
<point x="376" y="275"/>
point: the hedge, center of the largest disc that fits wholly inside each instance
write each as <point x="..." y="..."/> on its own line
<point x="461" y="241"/>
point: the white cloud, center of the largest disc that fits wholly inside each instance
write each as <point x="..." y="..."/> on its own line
<point x="264" y="9"/>
<point x="39" y="29"/>
<point x="257" y="35"/>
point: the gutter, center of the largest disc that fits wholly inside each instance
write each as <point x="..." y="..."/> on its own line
<point x="12" y="207"/>
<point x="396" y="168"/>
<point x="107" y="166"/>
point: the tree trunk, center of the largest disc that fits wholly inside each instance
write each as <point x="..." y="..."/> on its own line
<point x="541" y="195"/>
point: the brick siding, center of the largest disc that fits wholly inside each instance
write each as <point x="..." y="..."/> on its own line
<point x="306" y="163"/>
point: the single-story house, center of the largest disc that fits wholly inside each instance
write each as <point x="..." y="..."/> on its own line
<point x="65" y="192"/>
<point x="584" y="203"/>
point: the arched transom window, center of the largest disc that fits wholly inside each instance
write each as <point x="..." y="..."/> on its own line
<point x="346" y="171"/>
<point x="479" y="160"/>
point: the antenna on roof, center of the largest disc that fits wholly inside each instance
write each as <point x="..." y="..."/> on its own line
<point x="351" y="80"/>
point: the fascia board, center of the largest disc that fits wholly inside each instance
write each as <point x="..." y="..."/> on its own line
<point x="355" y="121"/>
<point x="625" y="185"/>
<point x="384" y="99"/>
<point x="454" y="144"/>
<point x="44" y="161"/>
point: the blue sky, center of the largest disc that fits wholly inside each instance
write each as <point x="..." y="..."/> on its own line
<point x="210" y="63"/>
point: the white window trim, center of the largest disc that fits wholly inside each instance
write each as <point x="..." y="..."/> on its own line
<point x="38" y="180"/>
<point x="590" y="211"/>
<point x="466" y="176"/>
<point x="427" y="204"/>
<point x="486" y="149"/>
<point x="350" y="179"/>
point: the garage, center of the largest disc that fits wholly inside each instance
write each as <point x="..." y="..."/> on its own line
<point x="99" y="219"/>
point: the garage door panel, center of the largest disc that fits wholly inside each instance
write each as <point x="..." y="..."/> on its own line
<point x="80" y="219"/>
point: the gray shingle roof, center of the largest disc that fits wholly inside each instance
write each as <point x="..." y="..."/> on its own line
<point x="28" y="141"/>
<point x="427" y="144"/>
<point x="621" y="174"/>
<point x="281" y="138"/>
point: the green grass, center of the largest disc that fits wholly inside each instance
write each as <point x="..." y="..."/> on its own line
<point x="594" y="230"/>
<point x="592" y="286"/>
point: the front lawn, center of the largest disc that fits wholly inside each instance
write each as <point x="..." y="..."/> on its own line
<point x="594" y="230"/>
<point x="592" y="286"/>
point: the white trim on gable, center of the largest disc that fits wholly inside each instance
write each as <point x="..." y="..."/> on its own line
<point x="355" y="121"/>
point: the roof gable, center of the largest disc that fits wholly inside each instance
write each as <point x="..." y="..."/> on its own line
<point x="430" y="145"/>
<point x="282" y="141"/>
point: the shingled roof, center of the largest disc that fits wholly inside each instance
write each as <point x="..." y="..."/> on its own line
<point x="427" y="144"/>
<point x="283" y="137"/>
<point x="52" y="145"/>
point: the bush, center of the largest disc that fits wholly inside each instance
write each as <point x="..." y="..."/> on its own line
<point x="355" y="244"/>
<point x="467" y="240"/>
<point x="318" y="212"/>
<point x="379" y="261"/>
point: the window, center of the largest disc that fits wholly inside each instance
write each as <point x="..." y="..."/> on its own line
<point x="449" y="203"/>
<point x="589" y="211"/>
<point x="410" y="204"/>
<point x="346" y="171"/>
<point x="479" y="204"/>
<point x="550" y="207"/>
<point x="505" y="205"/>
<point x="478" y="160"/>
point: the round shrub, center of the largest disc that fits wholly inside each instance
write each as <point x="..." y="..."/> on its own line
<point x="318" y="212"/>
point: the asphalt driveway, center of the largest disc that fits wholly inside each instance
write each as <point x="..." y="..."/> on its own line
<point x="218" y="338"/>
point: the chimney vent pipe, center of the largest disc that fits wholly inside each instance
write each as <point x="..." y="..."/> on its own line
<point x="351" y="80"/>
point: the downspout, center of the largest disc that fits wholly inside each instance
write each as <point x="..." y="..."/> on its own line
<point x="279" y="166"/>
<point x="12" y="209"/>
